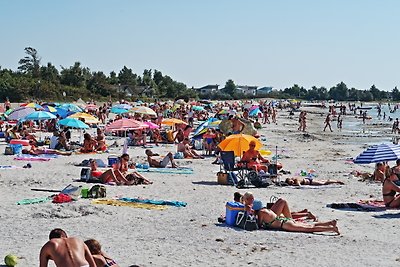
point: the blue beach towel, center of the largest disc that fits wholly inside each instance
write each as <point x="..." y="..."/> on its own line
<point x="155" y="202"/>
<point x="180" y="170"/>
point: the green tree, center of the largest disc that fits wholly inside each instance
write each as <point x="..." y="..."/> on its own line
<point x="230" y="88"/>
<point x="339" y="92"/>
<point x="30" y="64"/>
<point x="75" y="75"/>
<point x="395" y="94"/>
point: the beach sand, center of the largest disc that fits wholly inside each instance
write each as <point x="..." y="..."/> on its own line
<point x="191" y="235"/>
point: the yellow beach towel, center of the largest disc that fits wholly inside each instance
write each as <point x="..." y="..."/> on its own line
<point x="115" y="202"/>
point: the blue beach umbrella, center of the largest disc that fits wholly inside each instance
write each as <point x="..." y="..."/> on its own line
<point x="122" y="106"/>
<point x="71" y="107"/>
<point x="379" y="153"/>
<point x="116" y="110"/>
<point x="39" y="115"/>
<point x="73" y="123"/>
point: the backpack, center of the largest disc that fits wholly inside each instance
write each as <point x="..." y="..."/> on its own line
<point x="97" y="191"/>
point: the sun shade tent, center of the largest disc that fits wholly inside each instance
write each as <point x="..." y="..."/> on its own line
<point x="379" y="153"/>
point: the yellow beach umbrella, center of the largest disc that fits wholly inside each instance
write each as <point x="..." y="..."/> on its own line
<point x="89" y="119"/>
<point x="239" y="143"/>
<point x="172" y="121"/>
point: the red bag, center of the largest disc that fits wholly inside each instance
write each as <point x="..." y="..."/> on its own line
<point x="61" y="198"/>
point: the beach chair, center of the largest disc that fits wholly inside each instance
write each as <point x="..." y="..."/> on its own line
<point x="237" y="173"/>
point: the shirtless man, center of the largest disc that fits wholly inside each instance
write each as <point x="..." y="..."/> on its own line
<point x="65" y="251"/>
<point x="328" y="122"/>
<point x="237" y="125"/>
<point x="160" y="163"/>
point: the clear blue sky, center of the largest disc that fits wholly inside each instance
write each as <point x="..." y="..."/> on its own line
<point x="260" y="42"/>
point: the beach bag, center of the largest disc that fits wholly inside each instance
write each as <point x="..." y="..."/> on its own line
<point x="8" y="151"/>
<point x="85" y="174"/>
<point x="246" y="221"/>
<point x="97" y="191"/>
<point x="222" y="178"/>
<point x="259" y="180"/>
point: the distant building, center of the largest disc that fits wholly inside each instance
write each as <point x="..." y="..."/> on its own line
<point x="264" y="90"/>
<point x="211" y="88"/>
<point x="247" y="89"/>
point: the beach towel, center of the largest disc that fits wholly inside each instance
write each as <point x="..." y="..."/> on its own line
<point x="155" y="202"/>
<point x="31" y="158"/>
<point x="8" y="167"/>
<point x="116" y="202"/>
<point x="329" y="186"/>
<point x="362" y="205"/>
<point x="27" y="201"/>
<point x="180" y="170"/>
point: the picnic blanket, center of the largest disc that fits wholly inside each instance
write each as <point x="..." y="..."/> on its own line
<point x="180" y="170"/>
<point x="361" y="205"/>
<point x="116" y="202"/>
<point x="155" y="202"/>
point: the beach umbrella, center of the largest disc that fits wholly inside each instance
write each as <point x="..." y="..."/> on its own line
<point x="198" y="108"/>
<point x="122" y="106"/>
<point x="118" y="110"/>
<point x="379" y="153"/>
<point x="151" y="125"/>
<point x="39" y="116"/>
<point x="172" y="121"/>
<point x="254" y="112"/>
<point x="73" y="123"/>
<point x="210" y="123"/>
<point x="7" y="112"/>
<point x="32" y="105"/>
<point x="20" y="113"/>
<point x="71" y="107"/>
<point x="49" y="109"/>
<point x="143" y="110"/>
<point x="87" y="117"/>
<point x="63" y="113"/>
<point x="125" y="124"/>
<point x="239" y="143"/>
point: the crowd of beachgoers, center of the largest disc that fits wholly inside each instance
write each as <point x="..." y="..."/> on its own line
<point x="170" y="134"/>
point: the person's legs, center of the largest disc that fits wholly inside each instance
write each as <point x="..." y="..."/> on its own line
<point x="395" y="203"/>
<point x="281" y="207"/>
<point x="292" y="226"/>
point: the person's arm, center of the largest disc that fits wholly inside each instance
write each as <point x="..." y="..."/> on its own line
<point x="44" y="256"/>
<point x="262" y="158"/>
<point x="89" y="257"/>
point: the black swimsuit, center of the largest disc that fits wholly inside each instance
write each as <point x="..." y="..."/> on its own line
<point x="392" y="193"/>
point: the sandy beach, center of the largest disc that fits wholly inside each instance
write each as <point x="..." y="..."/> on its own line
<point x="191" y="235"/>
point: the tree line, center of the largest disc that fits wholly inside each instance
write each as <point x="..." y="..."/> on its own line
<point x="45" y="82"/>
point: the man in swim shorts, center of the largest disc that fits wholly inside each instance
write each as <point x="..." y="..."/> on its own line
<point x="160" y="163"/>
<point x="65" y="251"/>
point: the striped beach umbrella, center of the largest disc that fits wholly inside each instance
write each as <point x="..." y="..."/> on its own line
<point x="379" y="153"/>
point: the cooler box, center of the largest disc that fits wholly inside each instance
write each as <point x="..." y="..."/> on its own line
<point x="17" y="148"/>
<point x="112" y="160"/>
<point x="232" y="209"/>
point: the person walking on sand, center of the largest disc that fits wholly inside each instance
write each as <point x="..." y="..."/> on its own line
<point x="65" y="251"/>
<point x="328" y="122"/>
<point x="340" y="122"/>
<point x="273" y="116"/>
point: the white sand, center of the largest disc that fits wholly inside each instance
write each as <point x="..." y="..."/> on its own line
<point x="191" y="236"/>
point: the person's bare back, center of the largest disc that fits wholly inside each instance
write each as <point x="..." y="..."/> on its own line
<point x="66" y="252"/>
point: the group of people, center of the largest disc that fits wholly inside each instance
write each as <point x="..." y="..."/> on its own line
<point x="279" y="216"/>
<point x="67" y="251"/>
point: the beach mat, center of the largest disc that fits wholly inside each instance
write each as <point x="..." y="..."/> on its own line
<point x="155" y="202"/>
<point x="362" y="205"/>
<point x="180" y="170"/>
<point x="42" y="157"/>
<point x="329" y="186"/>
<point x="116" y="202"/>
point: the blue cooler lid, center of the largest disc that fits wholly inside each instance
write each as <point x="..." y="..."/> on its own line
<point x="234" y="204"/>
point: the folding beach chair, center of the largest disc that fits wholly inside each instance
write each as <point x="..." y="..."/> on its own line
<point x="237" y="173"/>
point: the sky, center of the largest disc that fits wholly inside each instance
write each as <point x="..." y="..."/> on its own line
<point x="200" y="42"/>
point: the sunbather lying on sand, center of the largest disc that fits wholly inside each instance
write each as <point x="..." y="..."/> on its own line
<point x="281" y="207"/>
<point x="157" y="163"/>
<point x="38" y="151"/>
<point x="299" y="181"/>
<point x="119" y="173"/>
<point x="267" y="219"/>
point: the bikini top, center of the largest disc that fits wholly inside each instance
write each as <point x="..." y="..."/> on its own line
<point x="109" y="262"/>
<point x="392" y="193"/>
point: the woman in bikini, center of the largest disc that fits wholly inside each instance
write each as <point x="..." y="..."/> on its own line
<point x="100" y="258"/>
<point x="389" y="190"/>
<point x="267" y="219"/>
<point x="89" y="144"/>
<point x="299" y="181"/>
